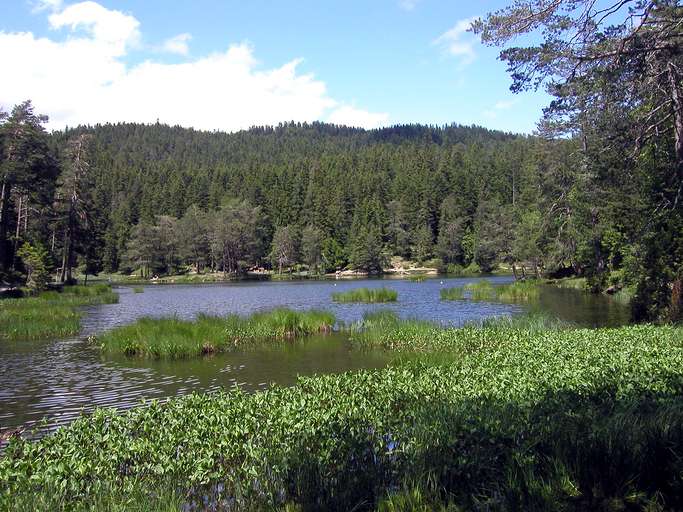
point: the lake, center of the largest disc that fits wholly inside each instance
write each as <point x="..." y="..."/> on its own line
<point x="59" y="379"/>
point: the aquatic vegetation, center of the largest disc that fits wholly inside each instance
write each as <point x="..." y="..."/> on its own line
<point x="484" y="290"/>
<point x="575" y="283"/>
<point x="518" y="291"/>
<point x="480" y="290"/>
<point x="454" y="293"/>
<point x="174" y="338"/>
<point x="51" y="314"/>
<point x="384" y="320"/>
<point x="422" y="336"/>
<point x="368" y="295"/>
<point x="138" y="289"/>
<point x="624" y="296"/>
<point x="530" y="322"/>
<point x="557" y="420"/>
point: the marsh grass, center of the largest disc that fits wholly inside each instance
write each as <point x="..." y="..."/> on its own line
<point x="138" y="289"/>
<point x="529" y="323"/>
<point x="366" y="295"/>
<point x="389" y="332"/>
<point x="173" y="338"/>
<point x="416" y="278"/>
<point x="624" y="296"/>
<point x="481" y="290"/>
<point x="518" y="291"/>
<point x="574" y="283"/>
<point x="454" y="293"/>
<point x="51" y="314"/>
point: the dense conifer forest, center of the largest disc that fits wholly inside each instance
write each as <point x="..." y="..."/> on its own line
<point x="157" y="199"/>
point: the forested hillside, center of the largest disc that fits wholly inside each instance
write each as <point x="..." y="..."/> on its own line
<point x="159" y="199"/>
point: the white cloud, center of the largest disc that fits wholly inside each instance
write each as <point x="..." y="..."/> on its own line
<point x="46" y="5"/>
<point x="112" y="29"/>
<point x="499" y="106"/>
<point x="85" y="79"/>
<point x="351" y="116"/>
<point x="458" y="43"/>
<point x="408" y="5"/>
<point x="177" y="44"/>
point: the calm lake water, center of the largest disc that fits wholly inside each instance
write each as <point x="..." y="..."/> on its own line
<point x="59" y="379"/>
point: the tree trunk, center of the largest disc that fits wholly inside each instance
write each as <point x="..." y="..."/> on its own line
<point x="67" y="251"/>
<point x="677" y="98"/>
<point x="4" y="252"/>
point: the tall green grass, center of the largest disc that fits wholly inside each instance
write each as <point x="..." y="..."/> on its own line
<point x="454" y="293"/>
<point x="389" y="332"/>
<point x="484" y="291"/>
<point x="480" y="290"/>
<point x="518" y="291"/>
<point x="571" y="420"/>
<point x="575" y="283"/>
<point x="172" y="338"/>
<point x="366" y="295"/>
<point x="51" y="314"/>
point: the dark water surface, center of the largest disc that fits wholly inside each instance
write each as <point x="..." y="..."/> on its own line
<point x="59" y="379"/>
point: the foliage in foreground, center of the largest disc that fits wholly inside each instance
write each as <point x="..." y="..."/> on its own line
<point x="174" y="338"/>
<point x="553" y="420"/>
<point x="366" y="295"/>
<point x="50" y="314"/>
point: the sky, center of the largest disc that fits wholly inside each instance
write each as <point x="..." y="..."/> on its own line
<point x="229" y="65"/>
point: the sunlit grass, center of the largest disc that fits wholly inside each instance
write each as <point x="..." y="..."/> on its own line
<point x="518" y="291"/>
<point x="385" y="330"/>
<point x="173" y="338"/>
<point x="454" y="293"/>
<point x="480" y="290"/>
<point x="366" y="295"/>
<point x="51" y="314"/>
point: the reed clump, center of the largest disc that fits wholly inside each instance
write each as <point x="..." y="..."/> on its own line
<point x="366" y="295"/>
<point x="173" y="338"/>
<point x="518" y="291"/>
<point x="480" y="290"/>
<point x="453" y="293"/>
<point x="50" y="314"/>
<point x="410" y="335"/>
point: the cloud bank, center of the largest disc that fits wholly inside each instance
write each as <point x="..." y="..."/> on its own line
<point x="85" y="78"/>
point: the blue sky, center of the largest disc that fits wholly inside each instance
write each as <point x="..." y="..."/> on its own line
<point x="230" y="64"/>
